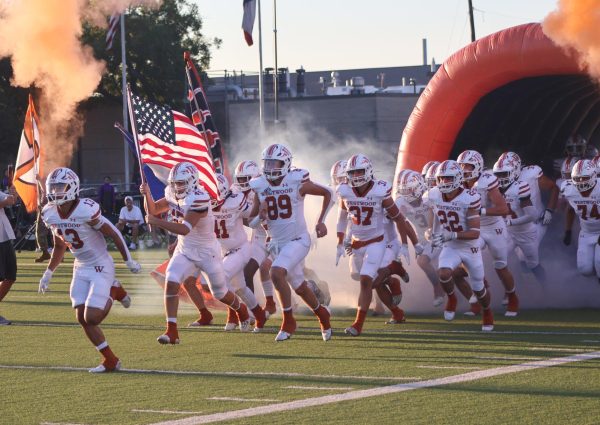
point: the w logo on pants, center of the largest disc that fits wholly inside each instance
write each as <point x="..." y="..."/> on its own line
<point x="474" y="249"/>
<point x="498" y="231"/>
<point x="99" y="269"/>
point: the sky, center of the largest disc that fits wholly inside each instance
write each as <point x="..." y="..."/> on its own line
<point x="323" y="35"/>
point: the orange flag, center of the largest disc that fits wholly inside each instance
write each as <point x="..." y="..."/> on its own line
<point x="28" y="160"/>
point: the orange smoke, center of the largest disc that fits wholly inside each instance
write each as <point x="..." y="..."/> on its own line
<point x="576" y="24"/>
<point x="42" y="37"/>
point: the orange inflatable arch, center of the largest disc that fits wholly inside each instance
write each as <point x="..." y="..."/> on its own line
<point x="514" y="89"/>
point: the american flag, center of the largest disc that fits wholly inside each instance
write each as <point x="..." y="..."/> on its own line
<point x="113" y="26"/>
<point x="201" y="116"/>
<point x="248" y="20"/>
<point x="167" y="137"/>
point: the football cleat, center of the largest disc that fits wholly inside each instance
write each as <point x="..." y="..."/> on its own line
<point x="230" y="326"/>
<point x="126" y="301"/>
<point x="246" y="325"/>
<point x="438" y="301"/>
<point x="326" y="334"/>
<point x="282" y="336"/>
<point x="102" y="368"/>
<point x="168" y="339"/>
<point x="352" y="331"/>
<point x="450" y="309"/>
<point x="488" y="321"/>
<point x="200" y="322"/>
<point x="512" y="309"/>
<point x="393" y="321"/>
<point x="4" y="321"/>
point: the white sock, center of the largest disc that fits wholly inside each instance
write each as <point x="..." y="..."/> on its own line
<point x="102" y="346"/>
<point x="172" y="319"/>
<point x="268" y="288"/>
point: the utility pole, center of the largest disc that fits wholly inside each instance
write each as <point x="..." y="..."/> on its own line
<point x="472" y="20"/>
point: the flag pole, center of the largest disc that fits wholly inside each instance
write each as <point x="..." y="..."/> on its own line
<point x="36" y="158"/>
<point x="276" y="75"/>
<point x="261" y="89"/>
<point x="189" y="65"/>
<point x="124" y="92"/>
<point x="134" y="133"/>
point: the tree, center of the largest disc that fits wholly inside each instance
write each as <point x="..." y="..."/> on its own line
<point x="13" y="104"/>
<point x="156" y="40"/>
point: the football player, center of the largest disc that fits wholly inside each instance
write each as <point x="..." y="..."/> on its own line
<point x="522" y="213"/>
<point x="428" y="173"/>
<point x="230" y="212"/>
<point x="565" y="180"/>
<point x="456" y="230"/>
<point x="77" y="224"/>
<point x="492" y="227"/>
<point x="280" y="193"/>
<point x="410" y="188"/>
<point x="367" y="200"/>
<point x="197" y="246"/>
<point x="259" y="258"/>
<point x="583" y="194"/>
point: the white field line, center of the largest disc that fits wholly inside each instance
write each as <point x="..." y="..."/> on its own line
<point x="379" y="391"/>
<point x="171" y="412"/>
<point x="571" y="350"/>
<point x="504" y="358"/>
<point x="590" y="340"/>
<point x="57" y="423"/>
<point x="300" y="387"/>
<point x="339" y="331"/>
<point x="448" y="367"/>
<point x="259" y="400"/>
<point x="224" y="373"/>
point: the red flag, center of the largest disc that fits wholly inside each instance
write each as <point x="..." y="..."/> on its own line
<point x="113" y="26"/>
<point x="248" y="20"/>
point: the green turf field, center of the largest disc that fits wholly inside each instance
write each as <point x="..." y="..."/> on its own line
<point x="44" y="358"/>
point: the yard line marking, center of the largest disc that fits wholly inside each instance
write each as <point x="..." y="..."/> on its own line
<point x="555" y="349"/>
<point x="57" y="423"/>
<point x="367" y="333"/>
<point x="300" y="387"/>
<point x="504" y="358"/>
<point x="224" y="373"/>
<point x="448" y="367"/>
<point x="591" y="340"/>
<point x="378" y="391"/>
<point x="175" y="412"/>
<point x="260" y="400"/>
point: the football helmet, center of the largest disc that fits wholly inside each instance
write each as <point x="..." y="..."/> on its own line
<point x="449" y="176"/>
<point x="244" y="172"/>
<point x="183" y="179"/>
<point x="427" y="166"/>
<point x="355" y="165"/>
<point x="591" y="152"/>
<point x="516" y="160"/>
<point x="62" y="185"/>
<point x="505" y="171"/>
<point x="584" y="175"/>
<point x="430" y="180"/>
<point x="410" y="185"/>
<point x="576" y="145"/>
<point x="277" y="160"/>
<point x="567" y="167"/>
<point x="474" y="158"/>
<point x="338" y="173"/>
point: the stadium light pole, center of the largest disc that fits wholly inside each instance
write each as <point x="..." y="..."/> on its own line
<point x="124" y="91"/>
<point x="261" y="88"/>
<point x="275" y="73"/>
<point x="471" y="18"/>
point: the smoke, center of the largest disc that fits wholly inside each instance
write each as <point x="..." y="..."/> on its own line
<point x="42" y="38"/>
<point x="576" y="24"/>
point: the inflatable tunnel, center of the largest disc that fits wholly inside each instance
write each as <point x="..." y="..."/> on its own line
<point x="512" y="90"/>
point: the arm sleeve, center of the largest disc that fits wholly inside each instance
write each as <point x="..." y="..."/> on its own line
<point x="530" y="215"/>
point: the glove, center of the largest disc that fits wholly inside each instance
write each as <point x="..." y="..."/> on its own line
<point x="567" y="238"/>
<point x="348" y="247"/>
<point x="45" y="281"/>
<point x="546" y="217"/>
<point x="419" y="248"/>
<point x="404" y="254"/>
<point x="340" y="252"/>
<point x="438" y="239"/>
<point x="508" y="221"/>
<point x="133" y="266"/>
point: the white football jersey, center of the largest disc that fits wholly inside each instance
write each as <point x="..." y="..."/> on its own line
<point x="229" y="221"/>
<point x="86" y="243"/>
<point x="366" y="212"/>
<point x="531" y="175"/>
<point x="487" y="182"/>
<point x="451" y="215"/>
<point x="416" y="213"/>
<point x="587" y="208"/>
<point x="517" y="191"/>
<point x="285" y="205"/>
<point x="203" y="232"/>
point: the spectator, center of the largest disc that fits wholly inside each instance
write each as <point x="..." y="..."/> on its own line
<point x="8" y="259"/>
<point x="107" y="198"/>
<point x="131" y="222"/>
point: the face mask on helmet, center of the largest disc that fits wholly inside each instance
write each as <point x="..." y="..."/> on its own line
<point x="179" y="188"/>
<point x="447" y="184"/>
<point x="468" y="171"/>
<point x="357" y="178"/>
<point x="584" y="183"/>
<point x="58" y="193"/>
<point x="243" y="182"/>
<point x="273" y="169"/>
<point x="430" y="179"/>
<point x="503" y="177"/>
